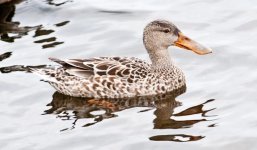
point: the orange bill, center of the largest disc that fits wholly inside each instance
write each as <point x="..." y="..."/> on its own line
<point x="189" y="44"/>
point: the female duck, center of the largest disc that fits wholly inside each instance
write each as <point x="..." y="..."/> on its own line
<point x="119" y="77"/>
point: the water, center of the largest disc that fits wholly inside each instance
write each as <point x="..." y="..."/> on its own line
<point x="217" y="111"/>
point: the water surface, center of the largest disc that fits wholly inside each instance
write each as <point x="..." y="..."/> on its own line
<point x="216" y="112"/>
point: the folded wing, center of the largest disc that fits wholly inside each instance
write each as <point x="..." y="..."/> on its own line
<point x="105" y="66"/>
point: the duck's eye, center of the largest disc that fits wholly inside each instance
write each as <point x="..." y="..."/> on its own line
<point x="166" y="31"/>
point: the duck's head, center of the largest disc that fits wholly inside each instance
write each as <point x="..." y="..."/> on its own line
<point x="160" y="34"/>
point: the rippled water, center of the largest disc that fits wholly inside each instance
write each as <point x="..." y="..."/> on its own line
<point x="216" y="112"/>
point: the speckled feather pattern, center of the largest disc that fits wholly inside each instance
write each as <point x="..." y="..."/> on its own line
<point x="111" y="77"/>
<point x="120" y="77"/>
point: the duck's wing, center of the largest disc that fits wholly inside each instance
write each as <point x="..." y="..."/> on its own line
<point x="104" y="66"/>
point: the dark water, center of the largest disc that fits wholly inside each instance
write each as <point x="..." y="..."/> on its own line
<point x="216" y="112"/>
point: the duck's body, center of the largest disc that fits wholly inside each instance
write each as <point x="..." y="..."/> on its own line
<point x="112" y="77"/>
<point x="117" y="77"/>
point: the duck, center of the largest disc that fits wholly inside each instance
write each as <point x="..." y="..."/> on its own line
<point x="121" y="77"/>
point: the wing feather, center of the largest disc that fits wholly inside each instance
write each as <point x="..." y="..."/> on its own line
<point x="103" y="66"/>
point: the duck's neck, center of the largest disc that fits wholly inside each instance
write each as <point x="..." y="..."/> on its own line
<point x="160" y="58"/>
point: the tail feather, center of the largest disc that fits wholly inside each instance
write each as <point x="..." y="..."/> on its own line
<point x="47" y="75"/>
<point x="57" y="60"/>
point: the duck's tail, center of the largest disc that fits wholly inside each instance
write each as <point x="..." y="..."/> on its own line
<point x="46" y="74"/>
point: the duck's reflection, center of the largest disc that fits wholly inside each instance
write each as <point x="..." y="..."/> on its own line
<point x="101" y="109"/>
<point x="163" y="114"/>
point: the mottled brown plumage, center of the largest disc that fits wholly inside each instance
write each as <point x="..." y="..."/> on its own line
<point x="119" y="77"/>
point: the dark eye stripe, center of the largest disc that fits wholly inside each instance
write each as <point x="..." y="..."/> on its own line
<point x="175" y="31"/>
<point x="166" y="31"/>
<point x="163" y="30"/>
